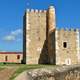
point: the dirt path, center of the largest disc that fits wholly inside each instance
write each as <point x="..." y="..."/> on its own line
<point x="6" y="73"/>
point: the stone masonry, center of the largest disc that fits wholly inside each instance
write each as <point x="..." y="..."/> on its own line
<point x="44" y="44"/>
<point x="68" y="54"/>
<point x="35" y="28"/>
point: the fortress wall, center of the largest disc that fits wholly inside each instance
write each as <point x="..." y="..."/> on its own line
<point x="35" y="34"/>
<point x="45" y="43"/>
<point x="67" y="46"/>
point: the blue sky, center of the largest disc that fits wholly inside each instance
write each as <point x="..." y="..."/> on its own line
<point x="11" y="18"/>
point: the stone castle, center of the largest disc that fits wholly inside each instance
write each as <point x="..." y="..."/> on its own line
<point x="44" y="44"/>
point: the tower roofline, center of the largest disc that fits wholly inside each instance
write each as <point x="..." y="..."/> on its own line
<point x="51" y="7"/>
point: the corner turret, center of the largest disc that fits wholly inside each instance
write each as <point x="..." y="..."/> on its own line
<point x="51" y="18"/>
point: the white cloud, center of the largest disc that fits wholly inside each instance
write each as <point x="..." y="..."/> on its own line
<point x="16" y="32"/>
<point x="13" y="35"/>
<point x="9" y="38"/>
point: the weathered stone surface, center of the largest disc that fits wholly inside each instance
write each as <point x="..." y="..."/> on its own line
<point x="36" y="23"/>
<point x="52" y="73"/>
<point x="43" y="43"/>
<point x="35" y="35"/>
<point x="56" y="73"/>
<point x="66" y="55"/>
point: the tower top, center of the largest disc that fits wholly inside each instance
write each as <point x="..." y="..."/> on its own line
<point x="51" y="7"/>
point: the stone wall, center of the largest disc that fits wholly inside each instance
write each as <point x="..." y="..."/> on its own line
<point x="43" y="43"/>
<point x="11" y="57"/>
<point x="35" y="35"/>
<point x="39" y="42"/>
<point x="67" y="47"/>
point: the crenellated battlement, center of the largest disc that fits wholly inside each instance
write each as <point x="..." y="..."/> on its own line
<point x="45" y="43"/>
<point x="66" y="29"/>
<point x="36" y="11"/>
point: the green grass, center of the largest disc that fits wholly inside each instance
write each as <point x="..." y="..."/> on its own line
<point x="8" y="64"/>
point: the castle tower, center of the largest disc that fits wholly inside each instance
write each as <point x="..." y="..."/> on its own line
<point x="42" y="43"/>
<point x="51" y="19"/>
<point x="51" y="34"/>
<point x="39" y="36"/>
<point x="34" y="36"/>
